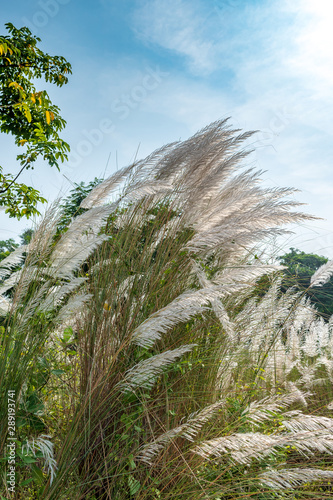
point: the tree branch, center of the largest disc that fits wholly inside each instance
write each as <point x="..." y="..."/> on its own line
<point x="8" y="187"/>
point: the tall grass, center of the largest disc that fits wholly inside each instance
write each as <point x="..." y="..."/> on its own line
<point x="138" y="348"/>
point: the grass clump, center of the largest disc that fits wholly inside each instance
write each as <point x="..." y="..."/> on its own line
<point x="143" y="364"/>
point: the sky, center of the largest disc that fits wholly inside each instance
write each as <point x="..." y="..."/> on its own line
<point x="149" y="72"/>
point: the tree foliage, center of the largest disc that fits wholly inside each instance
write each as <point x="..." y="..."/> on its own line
<point x="70" y="206"/>
<point x="301" y="266"/>
<point x="6" y="247"/>
<point x="26" y="236"/>
<point x="29" y="114"/>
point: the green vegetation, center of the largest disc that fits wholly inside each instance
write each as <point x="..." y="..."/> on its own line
<point x="29" y="114"/>
<point x="70" y="206"/>
<point x="6" y="247"/>
<point x="301" y="266"/>
<point x="142" y="364"/>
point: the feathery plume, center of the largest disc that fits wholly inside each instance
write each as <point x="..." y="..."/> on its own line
<point x="5" y="305"/>
<point x="265" y="409"/>
<point x="10" y="282"/>
<point x="291" y="478"/>
<point x="244" y="447"/>
<point x="301" y="422"/>
<point x="14" y="259"/>
<point x="72" y="307"/>
<point x="188" y="430"/>
<point x="80" y="240"/>
<point x="322" y="275"/>
<point x="104" y="190"/>
<point x="57" y="293"/>
<point x="143" y="375"/>
<point x="179" y="310"/>
<point x="45" y="447"/>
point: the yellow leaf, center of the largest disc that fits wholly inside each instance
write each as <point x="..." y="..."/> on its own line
<point x="33" y="98"/>
<point x="22" y="142"/>
<point x="48" y="117"/>
<point x="27" y="113"/>
<point x="16" y="85"/>
<point x="52" y="115"/>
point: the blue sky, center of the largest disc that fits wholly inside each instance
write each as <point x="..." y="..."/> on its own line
<point x="148" y="72"/>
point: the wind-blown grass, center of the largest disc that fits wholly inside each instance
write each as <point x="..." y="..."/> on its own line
<point x="137" y="341"/>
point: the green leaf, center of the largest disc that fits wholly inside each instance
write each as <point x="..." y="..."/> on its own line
<point x="28" y="460"/>
<point x="37" y="475"/>
<point x="27" y="481"/>
<point x="57" y="372"/>
<point x="134" y="485"/>
<point x="67" y="335"/>
<point x="131" y="462"/>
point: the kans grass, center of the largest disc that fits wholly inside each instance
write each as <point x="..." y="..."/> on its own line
<point x="147" y="361"/>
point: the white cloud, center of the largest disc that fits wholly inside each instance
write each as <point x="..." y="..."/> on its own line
<point x="179" y="26"/>
<point x="314" y="57"/>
